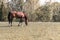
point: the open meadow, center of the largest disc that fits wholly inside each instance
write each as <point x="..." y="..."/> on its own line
<point x="34" y="31"/>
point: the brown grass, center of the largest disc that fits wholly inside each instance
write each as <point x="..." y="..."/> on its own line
<point x="34" y="31"/>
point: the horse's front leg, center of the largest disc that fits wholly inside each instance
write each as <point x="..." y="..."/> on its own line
<point x="26" y="21"/>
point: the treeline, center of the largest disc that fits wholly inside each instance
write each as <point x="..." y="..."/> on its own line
<point x="45" y="13"/>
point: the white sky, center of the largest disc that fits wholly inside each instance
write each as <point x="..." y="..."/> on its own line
<point x="9" y="0"/>
<point x="43" y="1"/>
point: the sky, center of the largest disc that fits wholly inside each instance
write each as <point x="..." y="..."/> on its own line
<point x="42" y="2"/>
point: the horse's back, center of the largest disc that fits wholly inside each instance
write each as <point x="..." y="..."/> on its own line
<point x="19" y="14"/>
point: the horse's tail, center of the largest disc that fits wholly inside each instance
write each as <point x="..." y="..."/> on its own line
<point x="9" y="16"/>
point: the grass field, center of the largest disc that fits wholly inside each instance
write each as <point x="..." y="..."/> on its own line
<point x="34" y="31"/>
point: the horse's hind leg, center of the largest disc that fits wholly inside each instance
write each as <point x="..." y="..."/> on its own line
<point x="10" y="21"/>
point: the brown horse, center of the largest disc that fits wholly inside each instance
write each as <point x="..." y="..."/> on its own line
<point x="20" y="15"/>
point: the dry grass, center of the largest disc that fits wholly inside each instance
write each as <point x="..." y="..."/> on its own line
<point x="34" y="31"/>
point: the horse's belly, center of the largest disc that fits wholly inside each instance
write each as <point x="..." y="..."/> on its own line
<point x="20" y="14"/>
